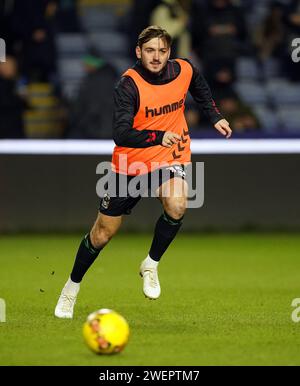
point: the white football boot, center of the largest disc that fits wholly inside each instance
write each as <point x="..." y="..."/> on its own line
<point x="66" y="302"/>
<point x="148" y="271"/>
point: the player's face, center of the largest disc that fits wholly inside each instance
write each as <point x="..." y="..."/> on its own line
<point x="154" y="54"/>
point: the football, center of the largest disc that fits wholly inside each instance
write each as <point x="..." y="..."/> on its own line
<point x="106" y="332"/>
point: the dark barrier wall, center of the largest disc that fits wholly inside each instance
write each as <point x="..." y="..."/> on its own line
<point x="57" y="193"/>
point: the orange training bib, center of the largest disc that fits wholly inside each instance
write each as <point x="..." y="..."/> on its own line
<point x="161" y="108"/>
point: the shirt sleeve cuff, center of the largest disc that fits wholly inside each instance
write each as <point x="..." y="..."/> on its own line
<point x="216" y="118"/>
<point x="159" y="137"/>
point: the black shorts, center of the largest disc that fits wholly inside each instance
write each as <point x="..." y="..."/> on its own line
<point x="123" y="192"/>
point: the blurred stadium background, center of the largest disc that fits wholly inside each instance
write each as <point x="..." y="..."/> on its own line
<point x="230" y="302"/>
<point x="63" y="60"/>
<point x="244" y="48"/>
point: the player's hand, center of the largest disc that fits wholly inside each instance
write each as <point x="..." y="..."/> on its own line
<point x="223" y="127"/>
<point x="169" y="139"/>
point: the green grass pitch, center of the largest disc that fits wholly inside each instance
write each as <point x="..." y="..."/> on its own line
<point x="226" y="300"/>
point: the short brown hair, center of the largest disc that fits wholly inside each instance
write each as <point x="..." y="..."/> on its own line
<point x="154" y="32"/>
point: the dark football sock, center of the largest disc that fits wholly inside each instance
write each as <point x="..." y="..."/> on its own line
<point x="86" y="255"/>
<point x="165" y="231"/>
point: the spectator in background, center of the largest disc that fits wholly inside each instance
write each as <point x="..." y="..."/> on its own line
<point x="173" y="16"/>
<point x="6" y="30"/>
<point x="11" y="104"/>
<point x="139" y="19"/>
<point x="292" y="17"/>
<point x="218" y="30"/>
<point x="92" y="112"/>
<point x="34" y="25"/>
<point x="67" y="19"/>
<point x="241" y="115"/>
<point x="221" y="76"/>
<point x="269" y="36"/>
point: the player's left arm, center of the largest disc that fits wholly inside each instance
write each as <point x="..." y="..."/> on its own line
<point x="223" y="127"/>
<point x="202" y="95"/>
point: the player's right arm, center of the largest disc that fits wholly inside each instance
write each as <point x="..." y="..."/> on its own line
<point x="126" y="101"/>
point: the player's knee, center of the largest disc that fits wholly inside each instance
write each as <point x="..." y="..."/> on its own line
<point x="176" y="208"/>
<point x="101" y="237"/>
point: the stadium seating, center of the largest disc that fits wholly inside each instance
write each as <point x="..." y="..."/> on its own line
<point x="71" y="72"/>
<point x="110" y="43"/>
<point x="121" y="64"/>
<point x="43" y="119"/>
<point x="247" y="68"/>
<point x="95" y="19"/>
<point x="271" y="68"/>
<point x="251" y="92"/>
<point x="70" y="69"/>
<point x="282" y="92"/>
<point x="289" y="118"/>
<point x="71" y="45"/>
<point x="267" y="117"/>
<point x="259" y="84"/>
